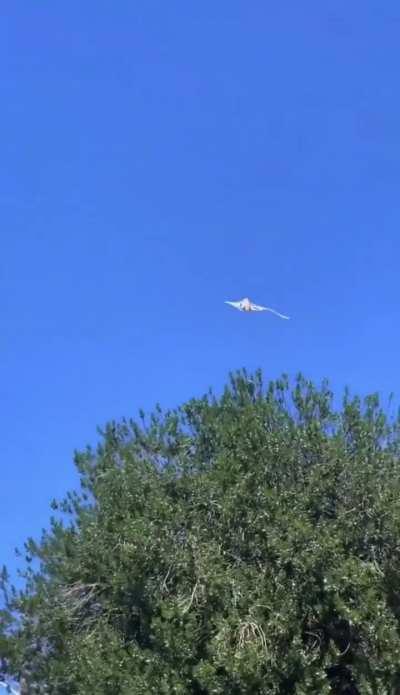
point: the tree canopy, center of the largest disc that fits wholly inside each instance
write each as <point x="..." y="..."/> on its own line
<point x="245" y="543"/>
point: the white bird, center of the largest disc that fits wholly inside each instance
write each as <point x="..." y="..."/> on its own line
<point x="246" y="305"/>
<point x="8" y="689"/>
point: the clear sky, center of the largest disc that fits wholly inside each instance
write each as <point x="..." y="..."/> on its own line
<point x="159" y="158"/>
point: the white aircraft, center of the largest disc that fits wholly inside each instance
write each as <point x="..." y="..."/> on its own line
<point x="246" y="305"/>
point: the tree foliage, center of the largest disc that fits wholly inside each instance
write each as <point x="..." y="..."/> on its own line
<point x="242" y="544"/>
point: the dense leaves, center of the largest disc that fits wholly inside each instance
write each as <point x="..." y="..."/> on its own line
<point x="241" y="544"/>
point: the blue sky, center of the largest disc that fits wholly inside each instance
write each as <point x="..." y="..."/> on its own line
<point x="159" y="158"/>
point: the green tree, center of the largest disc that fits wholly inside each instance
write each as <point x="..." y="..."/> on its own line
<point x="242" y="544"/>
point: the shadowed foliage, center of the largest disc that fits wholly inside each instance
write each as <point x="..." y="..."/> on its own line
<point x="247" y="543"/>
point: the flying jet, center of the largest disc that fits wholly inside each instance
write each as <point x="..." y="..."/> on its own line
<point x="247" y="305"/>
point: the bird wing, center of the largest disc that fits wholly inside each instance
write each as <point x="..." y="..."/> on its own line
<point x="257" y="307"/>
<point x="266" y="308"/>
<point x="237" y="305"/>
<point x="8" y="688"/>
